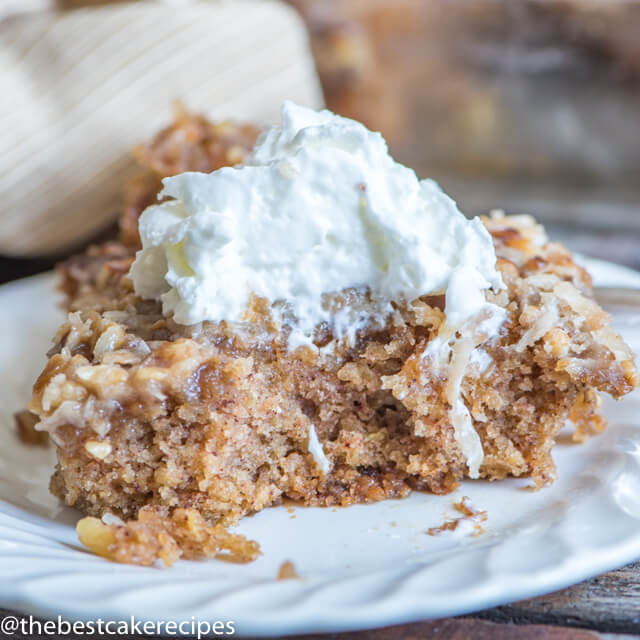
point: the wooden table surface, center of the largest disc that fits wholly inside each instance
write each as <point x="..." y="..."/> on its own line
<point x="602" y="607"/>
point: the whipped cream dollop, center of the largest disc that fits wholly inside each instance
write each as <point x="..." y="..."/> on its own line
<point x="320" y="206"/>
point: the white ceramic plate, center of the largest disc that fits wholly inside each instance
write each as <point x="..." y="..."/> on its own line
<point x="359" y="567"/>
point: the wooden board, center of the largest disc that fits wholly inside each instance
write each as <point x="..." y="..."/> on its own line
<point x="80" y="88"/>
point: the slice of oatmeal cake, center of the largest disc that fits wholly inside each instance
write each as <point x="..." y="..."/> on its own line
<point x="180" y="429"/>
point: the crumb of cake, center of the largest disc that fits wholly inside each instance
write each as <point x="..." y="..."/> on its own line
<point x="26" y="422"/>
<point x="287" y="571"/>
<point x="449" y="525"/>
<point x="465" y="507"/>
<point x="469" y="515"/>
<point x="157" y="534"/>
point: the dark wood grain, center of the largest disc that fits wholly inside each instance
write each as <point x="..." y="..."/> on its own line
<point x="465" y="629"/>
<point x="610" y="603"/>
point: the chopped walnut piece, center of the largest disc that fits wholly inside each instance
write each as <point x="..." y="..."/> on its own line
<point x="98" y="449"/>
<point x="97" y="536"/>
<point x="557" y="342"/>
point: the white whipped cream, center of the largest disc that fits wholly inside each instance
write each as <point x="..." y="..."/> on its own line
<point x="319" y="207"/>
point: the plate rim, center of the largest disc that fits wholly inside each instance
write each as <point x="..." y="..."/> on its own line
<point x="308" y="613"/>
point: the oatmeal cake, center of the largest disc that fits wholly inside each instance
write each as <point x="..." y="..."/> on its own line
<point x="190" y="143"/>
<point x="318" y="325"/>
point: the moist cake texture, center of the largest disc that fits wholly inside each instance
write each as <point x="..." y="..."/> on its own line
<point x="180" y="430"/>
